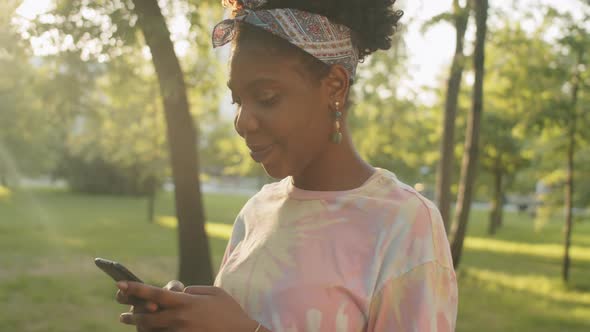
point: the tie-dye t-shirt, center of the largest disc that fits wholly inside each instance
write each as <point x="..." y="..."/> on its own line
<point x="375" y="258"/>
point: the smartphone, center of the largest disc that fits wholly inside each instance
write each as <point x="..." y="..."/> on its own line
<point x="115" y="270"/>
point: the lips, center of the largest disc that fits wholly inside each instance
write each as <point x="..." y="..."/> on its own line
<point x="260" y="152"/>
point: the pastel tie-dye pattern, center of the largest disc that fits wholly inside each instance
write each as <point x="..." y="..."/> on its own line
<point x="375" y="258"/>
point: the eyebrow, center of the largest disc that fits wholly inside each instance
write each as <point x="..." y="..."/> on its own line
<point x="255" y="83"/>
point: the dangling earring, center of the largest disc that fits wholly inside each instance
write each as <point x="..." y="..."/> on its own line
<point x="337" y="135"/>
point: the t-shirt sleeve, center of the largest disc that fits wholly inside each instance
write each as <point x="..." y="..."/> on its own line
<point x="226" y="254"/>
<point x="238" y="233"/>
<point x="423" y="299"/>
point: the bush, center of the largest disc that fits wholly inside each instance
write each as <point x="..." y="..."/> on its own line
<point x="101" y="177"/>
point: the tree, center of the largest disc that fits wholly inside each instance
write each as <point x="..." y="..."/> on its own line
<point x="25" y="137"/>
<point x="389" y="129"/>
<point x="110" y="28"/>
<point x="506" y="87"/>
<point x="576" y="45"/>
<point x="459" y="17"/>
<point x="558" y="116"/>
<point x="470" y="157"/>
<point x="522" y="82"/>
<point x="502" y="155"/>
<point x="119" y="146"/>
<point x="182" y="139"/>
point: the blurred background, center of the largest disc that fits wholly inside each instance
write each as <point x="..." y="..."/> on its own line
<point x="116" y="141"/>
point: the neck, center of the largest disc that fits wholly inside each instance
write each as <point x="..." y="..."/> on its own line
<point x="339" y="168"/>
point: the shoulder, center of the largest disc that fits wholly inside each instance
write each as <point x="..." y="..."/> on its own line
<point x="262" y="200"/>
<point x="268" y="193"/>
<point x="413" y="234"/>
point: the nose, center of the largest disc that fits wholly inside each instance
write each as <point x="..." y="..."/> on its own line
<point x="245" y="121"/>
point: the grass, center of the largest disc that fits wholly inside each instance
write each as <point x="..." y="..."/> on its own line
<point x="48" y="239"/>
<point x="512" y="282"/>
<point x="48" y="281"/>
<point x="4" y="193"/>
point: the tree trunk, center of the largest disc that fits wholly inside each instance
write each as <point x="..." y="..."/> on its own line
<point x="497" y="202"/>
<point x="569" y="190"/>
<point x="444" y="177"/>
<point x="194" y="258"/>
<point x="470" y="156"/>
<point x="500" y="220"/>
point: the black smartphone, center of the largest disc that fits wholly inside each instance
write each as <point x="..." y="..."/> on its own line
<point x="115" y="270"/>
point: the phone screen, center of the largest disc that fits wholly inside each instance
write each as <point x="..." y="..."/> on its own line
<point x="115" y="270"/>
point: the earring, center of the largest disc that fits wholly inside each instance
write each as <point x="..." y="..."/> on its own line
<point x="337" y="135"/>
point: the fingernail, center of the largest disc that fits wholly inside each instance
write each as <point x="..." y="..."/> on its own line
<point x="125" y="318"/>
<point x="152" y="307"/>
<point x="122" y="285"/>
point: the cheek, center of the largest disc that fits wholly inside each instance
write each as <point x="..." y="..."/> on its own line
<point x="306" y="135"/>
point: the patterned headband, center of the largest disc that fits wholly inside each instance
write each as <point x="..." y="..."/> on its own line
<point x="329" y="42"/>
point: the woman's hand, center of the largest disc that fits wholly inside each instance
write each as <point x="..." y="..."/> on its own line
<point x="143" y="306"/>
<point x="198" y="308"/>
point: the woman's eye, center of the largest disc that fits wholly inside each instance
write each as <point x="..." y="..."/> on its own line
<point x="267" y="102"/>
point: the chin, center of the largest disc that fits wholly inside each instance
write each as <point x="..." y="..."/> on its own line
<point x="277" y="171"/>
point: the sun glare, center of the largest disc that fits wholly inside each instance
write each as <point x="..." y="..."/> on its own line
<point x="31" y="8"/>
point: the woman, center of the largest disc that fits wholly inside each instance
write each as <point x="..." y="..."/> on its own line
<point x="336" y="245"/>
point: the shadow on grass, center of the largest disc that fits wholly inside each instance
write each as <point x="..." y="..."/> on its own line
<point x="519" y="263"/>
<point x="547" y="250"/>
<point x="582" y="240"/>
<point x="516" y="286"/>
<point x="580" y="286"/>
<point x="512" y="282"/>
<point x="501" y="307"/>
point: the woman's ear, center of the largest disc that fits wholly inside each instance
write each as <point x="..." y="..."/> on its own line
<point x="337" y="83"/>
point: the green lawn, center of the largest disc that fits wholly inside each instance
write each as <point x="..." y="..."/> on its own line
<point x="48" y="281"/>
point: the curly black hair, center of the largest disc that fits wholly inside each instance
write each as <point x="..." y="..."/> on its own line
<point x="373" y="22"/>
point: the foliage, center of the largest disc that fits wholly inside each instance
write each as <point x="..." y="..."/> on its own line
<point x="224" y="153"/>
<point x="503" y="147"/>
<point x="25" y="132"/>
<point x="121" y="140"/>
<point x="389" y="129"/>
<point x="101" y="93"/>
<point x="555" y="116"/>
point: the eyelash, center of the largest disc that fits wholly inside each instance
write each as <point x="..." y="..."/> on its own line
<point x="268" y="102"/>
<point x="265" y="103"/>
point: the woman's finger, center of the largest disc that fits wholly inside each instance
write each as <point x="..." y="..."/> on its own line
<point x="160" y="296"/>
<point x="122" y="298"/>
<point x="202" y="290"/>
<point x="161" y="319"/>
<point x="175" y="286"/>
<point x="146" y="307"/>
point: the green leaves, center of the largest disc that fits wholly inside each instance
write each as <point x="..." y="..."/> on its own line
<point x="98" y="97"/>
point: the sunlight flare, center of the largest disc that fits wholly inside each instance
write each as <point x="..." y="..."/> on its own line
<point x="213" y="229"/>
